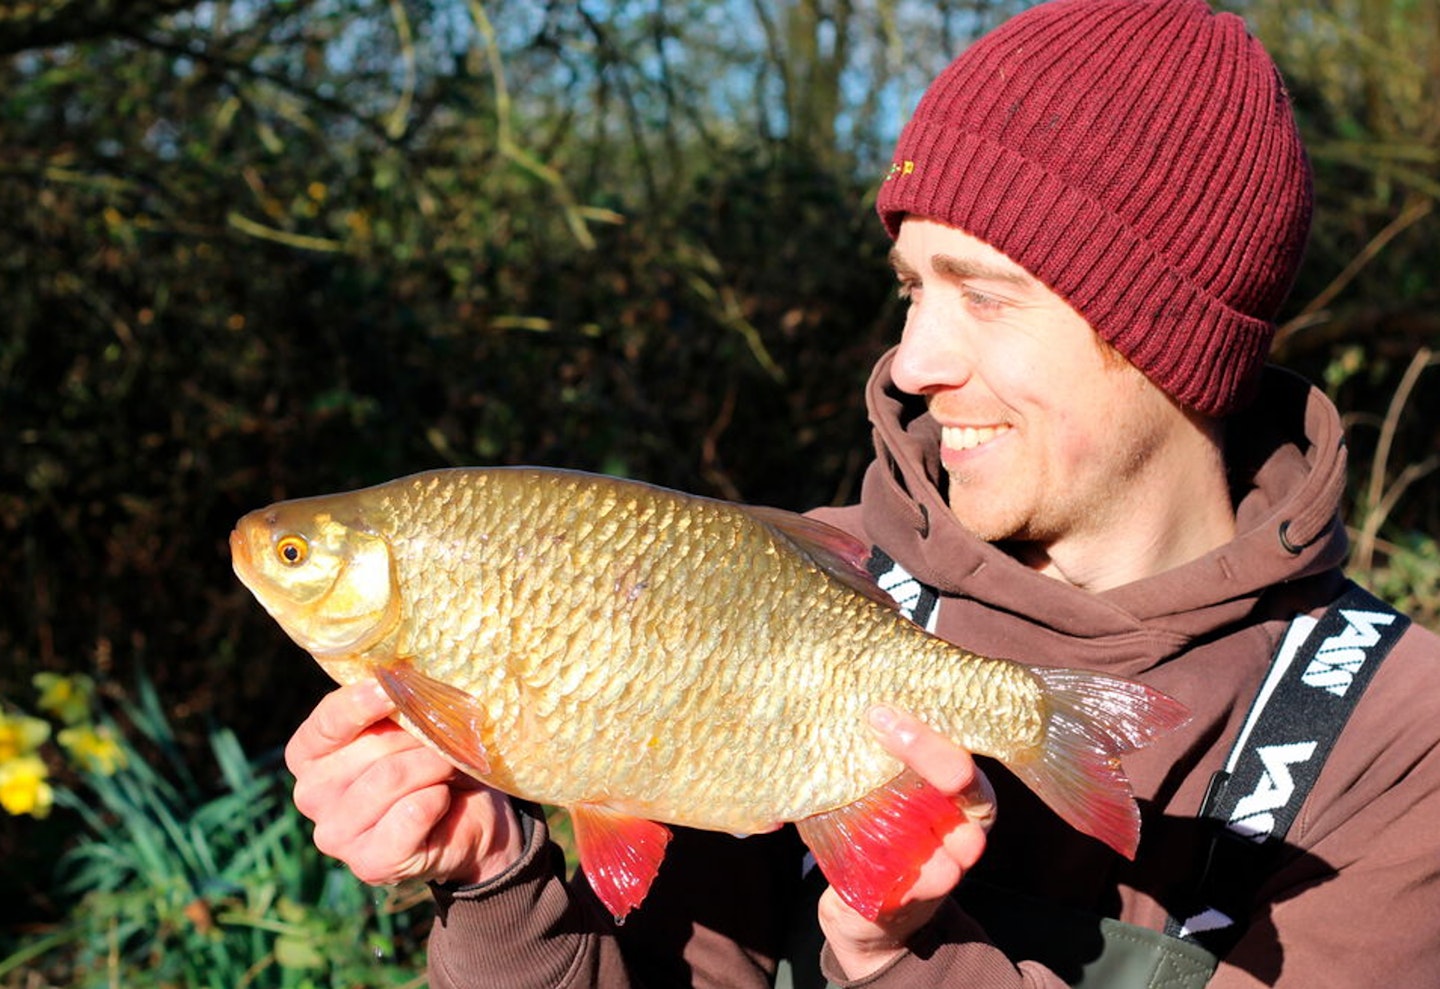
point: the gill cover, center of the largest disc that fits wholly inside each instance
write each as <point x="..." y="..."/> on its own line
<point x="330" y="585"/>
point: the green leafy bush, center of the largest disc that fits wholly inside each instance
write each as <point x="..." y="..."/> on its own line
<point x="177" y="881"/>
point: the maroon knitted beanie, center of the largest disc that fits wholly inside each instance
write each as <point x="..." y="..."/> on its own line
<point x="1140" y="158"/>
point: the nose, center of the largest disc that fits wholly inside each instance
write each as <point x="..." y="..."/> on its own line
<point x="933" y="354"/>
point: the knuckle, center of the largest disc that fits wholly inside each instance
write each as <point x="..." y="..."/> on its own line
<point x="370" y="873"/>
<point x="295" y="756"/>
<point x="367" y="874"/>
<point x="955" y="779"/>
<point x="306" y="800"/>
<point x="386" y="775"/>
<point x="333" y="839"/>
<point x="381" y="867"/>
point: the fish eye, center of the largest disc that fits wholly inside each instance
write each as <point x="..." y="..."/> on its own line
<point x="292" y="550"/>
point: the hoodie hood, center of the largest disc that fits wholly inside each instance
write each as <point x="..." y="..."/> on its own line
<point x="1286" y="455"/>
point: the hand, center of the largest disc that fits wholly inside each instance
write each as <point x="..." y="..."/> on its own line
<point x="389" y="807"/>
<point x="863" y="947"/>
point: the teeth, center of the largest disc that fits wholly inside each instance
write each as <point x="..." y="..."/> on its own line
<point x="968" y="437"/>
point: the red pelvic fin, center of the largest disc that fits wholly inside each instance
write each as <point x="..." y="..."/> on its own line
<point x="872" y="850"/>
<point x="619" y="853"/>
<point x="1094" y="719"/>
<point x="449" y="717"/>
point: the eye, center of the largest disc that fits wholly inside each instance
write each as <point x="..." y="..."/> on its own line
<point x="981" y="303"/>
<point x="292" y="550"/>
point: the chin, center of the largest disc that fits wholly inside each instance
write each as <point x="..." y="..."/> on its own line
<point x="988" y="528"/>
<point x="979" y="516"/>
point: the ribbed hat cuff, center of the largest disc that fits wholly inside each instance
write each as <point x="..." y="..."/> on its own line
<point x="1200" y="351"/>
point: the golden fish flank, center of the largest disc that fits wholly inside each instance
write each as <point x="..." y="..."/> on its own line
<point x="636" y="654"/>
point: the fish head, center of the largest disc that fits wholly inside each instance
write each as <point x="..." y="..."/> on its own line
<point x="327" y="579"/>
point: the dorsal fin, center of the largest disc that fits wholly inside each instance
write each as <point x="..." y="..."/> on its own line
<point x="833" y="550"/>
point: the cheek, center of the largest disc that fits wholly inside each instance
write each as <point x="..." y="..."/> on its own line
<point x="1111" y="435"/>
<point x="1076" y="445"/>
<point x="1087" y="422"/>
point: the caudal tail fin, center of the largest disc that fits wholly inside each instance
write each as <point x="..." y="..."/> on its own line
<point x="1094" y="719"/>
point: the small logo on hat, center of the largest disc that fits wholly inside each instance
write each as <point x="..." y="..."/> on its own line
<point x="899" y="168"/>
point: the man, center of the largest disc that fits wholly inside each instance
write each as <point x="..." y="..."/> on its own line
<point x="1081" y="461"/>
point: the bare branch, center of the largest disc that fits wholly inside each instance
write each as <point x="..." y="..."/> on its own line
<point x="1378" y="502"/>
<point x="1412" y="214"/>
<point x="43" y="23"/>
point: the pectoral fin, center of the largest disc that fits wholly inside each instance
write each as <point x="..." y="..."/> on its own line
<point x="872" y="850"/>
<point x="619" y="853"/>
<point x="449" y="717"/>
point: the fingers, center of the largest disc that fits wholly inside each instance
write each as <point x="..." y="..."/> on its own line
<point x="347" y="736"/>
<point x="395" y="843"/>
<point x="387" y="805"/>
<point x="942" y="764"/>
<point x="339" y="719"/>
<point x="862" y="946"/>
<point x="376" y="819"/>
<point x="449" y="831"/>
<point x="939" y="761"/>
<point x="373" y="791"/>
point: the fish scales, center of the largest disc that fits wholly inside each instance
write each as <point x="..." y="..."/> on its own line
<point x="674" y="674"/>
<point x="528" y="654"/>
<point x="598" y="643"/>
<point x="548" y="647"/>
<point x="658" y="700"/>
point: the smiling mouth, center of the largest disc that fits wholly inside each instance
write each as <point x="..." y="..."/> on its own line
<point x="969" y="437"/>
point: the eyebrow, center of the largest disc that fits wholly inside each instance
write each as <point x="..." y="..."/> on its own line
<point x="953" y="267"/>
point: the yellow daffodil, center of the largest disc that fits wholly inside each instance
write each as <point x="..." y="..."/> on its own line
<point x="24" y="788"/>
<point x="20" y="735"/>
<point x="66" y="697"/>
<point x="93" y="748"/>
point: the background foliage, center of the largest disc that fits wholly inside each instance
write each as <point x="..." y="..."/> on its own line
<point x="171" y="881"/>
<point x="256" y="250"/>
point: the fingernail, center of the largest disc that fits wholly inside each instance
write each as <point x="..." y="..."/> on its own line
<point x="379" y="696"/>
<point x="888" y="720"/>
<point x="881" y="717"/>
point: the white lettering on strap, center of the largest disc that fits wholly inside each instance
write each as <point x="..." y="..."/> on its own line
<point x="1342" y="655"/>
<point x="1252" y="817"/>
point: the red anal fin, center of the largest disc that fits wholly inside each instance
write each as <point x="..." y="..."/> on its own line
<point x="619" y="853"/>
<point x="448" y="716"/>
<point x="872" y="850"/>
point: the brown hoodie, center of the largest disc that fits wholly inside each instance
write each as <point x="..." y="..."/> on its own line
<point x="1356" y="892"/>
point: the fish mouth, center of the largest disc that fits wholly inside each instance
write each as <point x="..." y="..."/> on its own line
<point x="241" y="560"/>
<point x="239" y="552"/>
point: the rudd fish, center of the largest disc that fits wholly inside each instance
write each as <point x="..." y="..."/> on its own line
<point x="637" y="655"/>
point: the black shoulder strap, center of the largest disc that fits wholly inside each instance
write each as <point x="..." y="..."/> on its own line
<point x="1293" y="723"/>
<point x="918" y="602"/>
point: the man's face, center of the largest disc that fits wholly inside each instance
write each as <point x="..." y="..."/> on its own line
<point x="1048" y="436"/>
